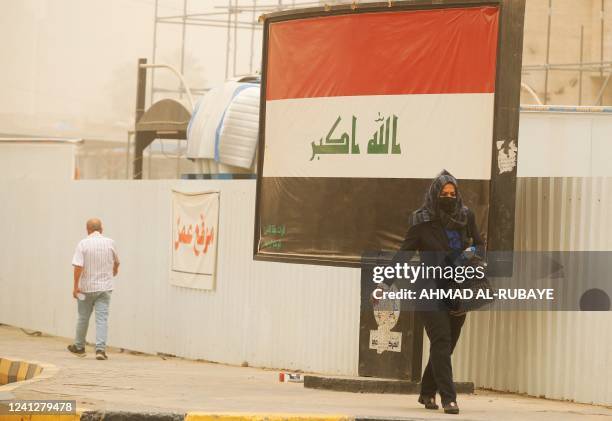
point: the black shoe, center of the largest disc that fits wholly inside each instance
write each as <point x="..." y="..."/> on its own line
<point x="101" y="355"/>
<point x="428" y="401"/>
<point x="451" y="408"/>
<point x="79" y="352"/>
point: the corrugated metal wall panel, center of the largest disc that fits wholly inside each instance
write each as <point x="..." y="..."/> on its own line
<point x="292" y="316"/>
<point x="267" y="314"/>
<point x="560" y="355"/>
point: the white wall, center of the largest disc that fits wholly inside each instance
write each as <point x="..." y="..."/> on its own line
<point x="564" y="203"/>
<point x="294" y="316"/>
<point x="37" y="160"/>
<point x="268" y="314"/>
<point x="565" y="145"/>
<point x="560" y="355"/>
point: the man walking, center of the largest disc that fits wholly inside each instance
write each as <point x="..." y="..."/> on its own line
<point x="95" y="264"/>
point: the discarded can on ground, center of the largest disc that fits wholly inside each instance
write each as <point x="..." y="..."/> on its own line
<point x="290" y="377"/>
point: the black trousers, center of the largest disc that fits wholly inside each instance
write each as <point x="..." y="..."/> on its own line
<point x="443" y="331"/>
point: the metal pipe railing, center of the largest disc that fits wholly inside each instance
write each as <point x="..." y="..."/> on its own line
<point x="178" y="74"/>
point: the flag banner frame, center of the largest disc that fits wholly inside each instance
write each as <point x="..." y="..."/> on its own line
<point x="339" y="168"/>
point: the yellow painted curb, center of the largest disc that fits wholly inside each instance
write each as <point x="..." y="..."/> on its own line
<point x="25" y="372"/>
<point x="205" y="416"/>
<point x="19" y="372"/>
<point x="5" y="366"/>
<point x="73" y="417"/>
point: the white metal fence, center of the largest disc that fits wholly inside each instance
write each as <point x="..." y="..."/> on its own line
<point x="561" y="355"/>
<point x="267" y="314"/>
<point x="300" y="316"/>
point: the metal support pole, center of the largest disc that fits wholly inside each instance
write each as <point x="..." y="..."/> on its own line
<point x="183" y="44"/>
<point x="127" y="154"/>
<point x="601" y="42"/>
<point x="554" y="66"/>
<point x="154" y="53"/>
<point x="227" y="44"/>
<point x="531" y="92"/>
<point x="178" y="158"/>
<point x="209" y="23"/>
<point x="253" y="19"/>
<point x="140" y="108"/>
<point x="140" y="89"/>
<point x="178" y="142"/>
<point x="149" y="162"/>
<point x="581" y="60"/>
<point x="604" y="85"/>
<point x="178" y="74"/>
<point x="235" y="36"/>
<point x="547" y="51"/>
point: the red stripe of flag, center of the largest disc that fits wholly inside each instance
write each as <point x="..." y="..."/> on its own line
<point x="385" y="53"/>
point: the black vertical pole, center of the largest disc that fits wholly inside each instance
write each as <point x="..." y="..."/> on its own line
<point x="505" y="135"/>
<point x="139" y="143"/>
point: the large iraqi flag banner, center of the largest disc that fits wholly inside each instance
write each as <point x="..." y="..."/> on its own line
<point x="361" y="111"/>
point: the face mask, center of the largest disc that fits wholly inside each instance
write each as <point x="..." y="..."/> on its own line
<point x="447" y="204"/>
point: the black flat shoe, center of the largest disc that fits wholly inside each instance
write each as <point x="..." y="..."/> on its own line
<point x="451" y="408"/>
<point x="79" y="352"/>
<point x="428" y="401"/>
<point x="101" y="355"/>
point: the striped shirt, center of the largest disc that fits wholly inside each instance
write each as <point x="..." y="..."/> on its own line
<point x="96" y="254"/>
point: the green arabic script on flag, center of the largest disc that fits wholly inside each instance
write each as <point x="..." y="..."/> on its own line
<point x="346" y="144"/>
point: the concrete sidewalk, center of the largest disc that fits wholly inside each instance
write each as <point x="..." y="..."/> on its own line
<point x="147" y="383"/>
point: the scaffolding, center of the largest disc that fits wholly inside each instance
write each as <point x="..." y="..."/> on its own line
<point x="238" y="15"/>
<point x="240" y="18"/>
<point x="601" y="67"/>
<point x="233" y="17"/>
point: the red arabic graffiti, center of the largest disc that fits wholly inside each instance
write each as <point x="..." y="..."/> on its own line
<point x="204" y="237"/>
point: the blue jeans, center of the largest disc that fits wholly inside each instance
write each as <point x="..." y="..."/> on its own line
<point x="100" y="301"/>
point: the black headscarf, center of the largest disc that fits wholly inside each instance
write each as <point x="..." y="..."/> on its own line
<point x="430" y="210"/>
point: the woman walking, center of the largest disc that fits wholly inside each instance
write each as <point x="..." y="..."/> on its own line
<point x="441" y="229"/>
